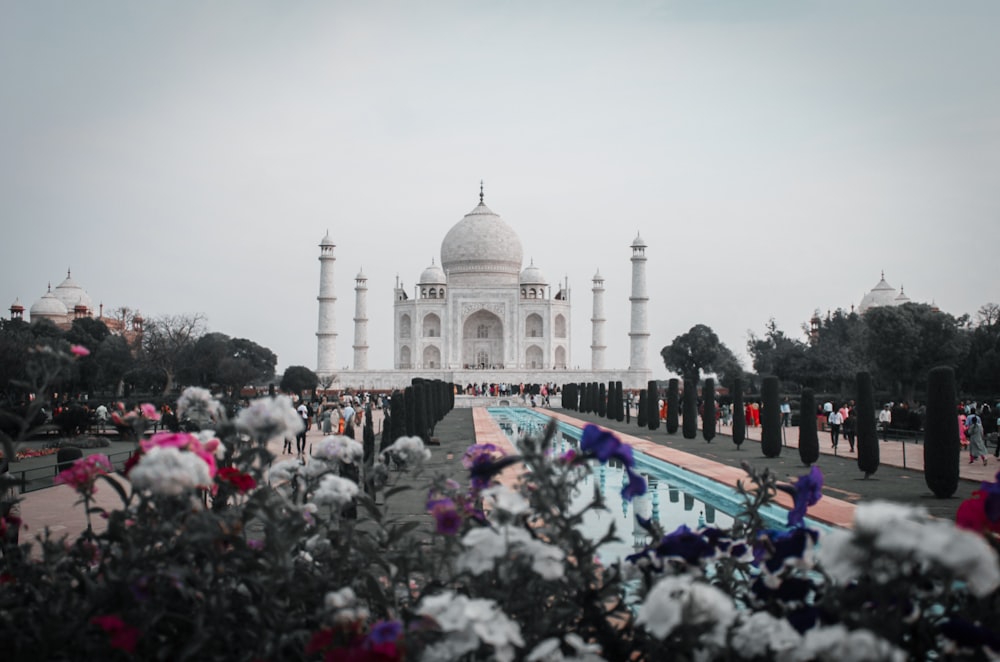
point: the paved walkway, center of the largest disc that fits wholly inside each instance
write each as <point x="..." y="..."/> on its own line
<point x="57" y="507"/>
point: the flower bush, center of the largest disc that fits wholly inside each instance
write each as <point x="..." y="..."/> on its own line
<point x="219" y="552"/>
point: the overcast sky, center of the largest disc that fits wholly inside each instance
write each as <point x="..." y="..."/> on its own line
<point x="187" y="157"/>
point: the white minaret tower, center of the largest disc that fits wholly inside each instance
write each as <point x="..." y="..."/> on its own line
<point x="639" y="333"/>
<point x="326" y="333"/>
<point x="597" y="344"/>
<point x="361" y="321"/>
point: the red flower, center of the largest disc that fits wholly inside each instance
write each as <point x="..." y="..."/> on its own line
<point x="122" y="635"/>
<point x="971" y="514"/>
<point x="241" y="481"/>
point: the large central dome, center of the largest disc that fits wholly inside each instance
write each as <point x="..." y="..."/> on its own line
<point x="481" y="248"/>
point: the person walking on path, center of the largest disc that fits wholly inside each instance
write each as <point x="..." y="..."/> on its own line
<point x="848" y="427"/>
<point x="974" y="432"/>
<point x="835" y="420"/>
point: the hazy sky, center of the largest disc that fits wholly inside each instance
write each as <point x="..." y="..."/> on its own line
<point x="187" y="157"/>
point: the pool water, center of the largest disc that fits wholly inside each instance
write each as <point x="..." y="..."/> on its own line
<point x="675" y="496"/>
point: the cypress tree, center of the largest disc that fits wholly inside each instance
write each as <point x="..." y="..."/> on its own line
<point x="708" y="410"/>
<point x="420" y="426"/>
<point x="602" y="404"/>
<point x="941" y="439"/>
<point x="619" y="402"/>
<point x="410" y="406"/>
<point x="808" y="435"/>
<point x="690" y="418"/>
<point x="640" y="417"/>
<point x="595" y="396"/>
<point x="770" y="417"/>
<point x="398" y="416"/>
<point x="653" y="398"/>
<point x="612" y="411"/>
<point x="867" y="434"/>
<point x="739" y="415"/>
<point x="673" y="406"/>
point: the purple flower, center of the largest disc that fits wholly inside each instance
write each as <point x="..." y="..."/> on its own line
<point x="685" y="544"/>
<point x="776" y="547"/>
<point x="385" y="632"/>
<point x="484" y="468"/>
<point x="636" y="485"/>
<point x="992" y="493"/>
<point x="605" y="445"/>
<point x="806" y="491"/>
<point x="446" y="516"/>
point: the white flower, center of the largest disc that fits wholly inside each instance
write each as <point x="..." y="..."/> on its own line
<point x="465" y="623"/>
<point x="197" y="405"/>
<point x="679" y="600"/>
<point x="338" y="448"/>
<point x="761" y="635"/>
<point x="408" y="450"/>
<point x="335" y="491"/>
<point x="836" y="644"/>
<point x="165" y="470"/>
<point x="344" y="605"/>
<point x="282" y="472"/>
<point x="270" y="418"/>
<point x="549" y="650"/>
<point x="507" y="499"/>
<point x="484" y="545"/>
<point x="901" y="532"/>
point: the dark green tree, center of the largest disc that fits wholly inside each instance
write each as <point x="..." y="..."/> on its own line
<point x="298" y="379"/>
<point x="653" y="398"/>
<point x="397" y="412"/>
<point x="690" y="418"/>
<point x="867" y="436"/>
<point x="808" y="435"/>
<point x="770" y="418"/>
<point x="777" y="354"/>
<point x="673" y="406"/>
<point x="700" y="350"/>
<point x="619" y="402"/>
<point x="739" y="415"/>
<point x="942" y="445"/>
<point x="708" y="410"/>
<point x="640" y="418"/>
<point x="837" y="353"/>
<point x="602" y="400"/>
<point x="905" y="342"/>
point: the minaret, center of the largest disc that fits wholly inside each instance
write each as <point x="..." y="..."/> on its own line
<point x="326" y="334"/>
<point x="597" y="345"/>
<point x="639" y="333"/>
<point x="361" y="321"/>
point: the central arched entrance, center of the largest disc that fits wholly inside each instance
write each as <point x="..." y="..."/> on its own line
<point x="482" y="341"/>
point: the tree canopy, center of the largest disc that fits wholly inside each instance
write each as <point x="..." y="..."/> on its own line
<point x="700" y="351"/>
<point x="298" y="378"/>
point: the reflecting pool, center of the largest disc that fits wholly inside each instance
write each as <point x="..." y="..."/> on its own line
<point x="675" y="496"/>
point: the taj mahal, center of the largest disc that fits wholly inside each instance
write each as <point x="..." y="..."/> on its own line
<point x="481" y="316"/>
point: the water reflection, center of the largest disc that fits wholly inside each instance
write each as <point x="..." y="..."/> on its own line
<point x="677" y="508"/>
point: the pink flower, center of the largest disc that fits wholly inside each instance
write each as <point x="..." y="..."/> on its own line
<point x="121" y="634"/>
<point x="79" y="350"/>
<point x="84" y="472"/>
<point x="184" y="441"/>
<point x="149" y="412"/>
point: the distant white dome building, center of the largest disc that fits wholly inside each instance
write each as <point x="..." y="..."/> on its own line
<point x="69" y="301"/>
<point x="883" y="294"/>
<point x="480" y="317"/>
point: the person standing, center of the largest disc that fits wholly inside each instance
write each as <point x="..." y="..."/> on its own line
<point x="348" y="415"/>
<point x="884" y="418"/>
<point x="848" y="427"/>
<point x="786" y="413"/>
<point x="835" y="420"/>
<point x="974" y="432"/>
<point x="300" y="438"/>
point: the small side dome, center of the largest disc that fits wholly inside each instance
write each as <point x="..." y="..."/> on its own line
<point x="638" y="242"/>
<point x="48" y="306"/>
<point x="327" y="240"/>
<point x="72" y="295"/>
<point x="361" y="275"/>
<point x="532" y="275"/>
<point x="433" y="275"/>
<point x="17" y="306"/>
<point x="902" y="298"/>
<point x="598" y="277"/>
